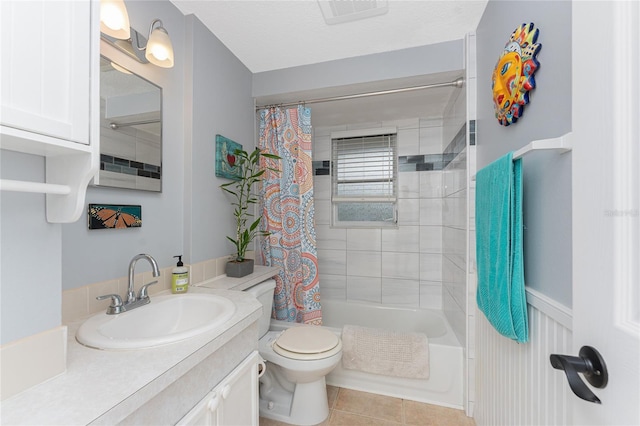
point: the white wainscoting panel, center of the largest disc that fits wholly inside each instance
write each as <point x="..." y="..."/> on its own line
<point x="515" y="383"/>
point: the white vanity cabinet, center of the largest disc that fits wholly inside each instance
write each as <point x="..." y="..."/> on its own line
<point x="233" y="402"/>
<point x="50" y="96"/>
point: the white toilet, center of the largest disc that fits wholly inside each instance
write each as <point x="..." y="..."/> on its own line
<point x="293" y="389"/>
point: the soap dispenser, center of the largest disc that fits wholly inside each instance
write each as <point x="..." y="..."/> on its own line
<point x="179" y="277"/>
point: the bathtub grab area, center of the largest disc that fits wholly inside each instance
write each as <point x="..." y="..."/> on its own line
<point x="445" y="384"/>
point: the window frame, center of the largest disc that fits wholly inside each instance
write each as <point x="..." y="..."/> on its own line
<point x="337" y="200"/>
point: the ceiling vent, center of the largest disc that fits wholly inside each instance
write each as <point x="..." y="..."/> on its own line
<point x="340" y="11"/>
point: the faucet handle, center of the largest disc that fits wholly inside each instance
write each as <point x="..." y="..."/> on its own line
<point x="144" y="292"/>
<point x="116" y="303"/>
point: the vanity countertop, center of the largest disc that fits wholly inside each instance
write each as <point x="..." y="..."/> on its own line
<point x="260" y="273"/>
<point x="113" y="384"/>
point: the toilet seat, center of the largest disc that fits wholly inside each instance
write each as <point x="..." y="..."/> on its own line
<point x="307" y="342"/>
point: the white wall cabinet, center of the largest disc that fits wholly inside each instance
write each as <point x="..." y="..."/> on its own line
<point x="233" y="402"/>
<point x="50" y="96"/>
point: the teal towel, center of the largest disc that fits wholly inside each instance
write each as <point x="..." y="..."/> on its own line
<point x="499" y="256"/>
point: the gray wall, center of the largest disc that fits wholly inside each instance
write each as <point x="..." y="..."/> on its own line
<point x="415" y="61"/>
<point x="40" y="259"/>
<point x="30" y="254"/>
<point x="547" y="176"/>
<point x="218" y="86"/>
<point x="207" y="92"/>
<point x="90" y="256"/>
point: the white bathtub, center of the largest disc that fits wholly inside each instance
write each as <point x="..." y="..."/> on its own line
<point x="445" y="384"/>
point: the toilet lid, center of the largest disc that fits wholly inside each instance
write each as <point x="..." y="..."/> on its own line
<point x="306" y="342"/>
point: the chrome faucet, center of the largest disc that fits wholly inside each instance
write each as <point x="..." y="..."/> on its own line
<point x="117" y="307"/>
<point x="131" y="295"/>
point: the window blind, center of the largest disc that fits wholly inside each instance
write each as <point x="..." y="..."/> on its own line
<point x="364" y="168"/>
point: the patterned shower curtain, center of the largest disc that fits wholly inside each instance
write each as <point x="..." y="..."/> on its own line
<point x="287" y="206"/>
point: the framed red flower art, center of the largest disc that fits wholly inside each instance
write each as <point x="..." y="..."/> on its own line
<point x="226" y="166"/>
<point x="512" y="77"/>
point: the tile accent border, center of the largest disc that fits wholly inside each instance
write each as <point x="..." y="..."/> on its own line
<point x="472" y="132"/>
<point x="422" y="162"/>
<point x="458" y="144"/>
<point x="129" y="167"/>
<point x="321" y="168"/>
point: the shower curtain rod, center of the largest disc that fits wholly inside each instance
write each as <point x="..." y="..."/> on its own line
<point x="456" y="83"/>
<point x="115" y="126"/>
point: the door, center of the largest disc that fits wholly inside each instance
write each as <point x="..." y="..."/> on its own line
<point x="234" y="401"/>
<point x="239" y="393"/>
<point x="205" y="413"/>
<point x="606" y="193"/>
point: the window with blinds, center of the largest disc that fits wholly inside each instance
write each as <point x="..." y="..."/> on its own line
<point x="364" y="179"/>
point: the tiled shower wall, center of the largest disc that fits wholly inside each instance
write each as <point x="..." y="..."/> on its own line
<point x="458" y="220"/>
<point x="470" y="345"/>
<point x="454" y="218"/>
<point x="392" y="267"/>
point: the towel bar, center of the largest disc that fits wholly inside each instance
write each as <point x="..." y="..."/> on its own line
<point x="562" y="144"/>
<point x="37" y="187"/>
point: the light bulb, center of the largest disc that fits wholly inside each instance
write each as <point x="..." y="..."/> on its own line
<point x="160" y="52"/>
<point x="159" y="48"/>
<point x="114" y="19"/>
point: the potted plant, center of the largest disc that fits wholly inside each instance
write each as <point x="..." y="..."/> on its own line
<point x="248" y="166"/>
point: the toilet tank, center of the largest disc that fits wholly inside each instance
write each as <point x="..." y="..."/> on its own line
<point x="264" y="293"/>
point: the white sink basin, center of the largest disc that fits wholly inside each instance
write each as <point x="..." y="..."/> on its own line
<point x="167" y="319"/>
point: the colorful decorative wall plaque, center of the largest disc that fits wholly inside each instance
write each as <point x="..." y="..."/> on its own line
<point x="112" y="216"/>
<point x="226" y="166"/>
<point x="513" y="75"/>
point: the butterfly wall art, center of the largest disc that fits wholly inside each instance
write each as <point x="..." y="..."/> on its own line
<point x="114" y="216"/>
<point x="226" y="166"/>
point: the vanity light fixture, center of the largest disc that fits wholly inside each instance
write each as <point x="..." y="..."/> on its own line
<point x="114" y="19"/>
<point x="115" y="29"/>
<point x="159" y="48"/>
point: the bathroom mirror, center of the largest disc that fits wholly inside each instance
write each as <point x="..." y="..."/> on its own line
<point x="130" y="130"/>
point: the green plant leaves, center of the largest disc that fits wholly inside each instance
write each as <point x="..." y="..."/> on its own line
<point x="241" y="189"/>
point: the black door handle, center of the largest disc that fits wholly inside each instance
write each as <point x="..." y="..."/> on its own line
<point x="592" y="366"/>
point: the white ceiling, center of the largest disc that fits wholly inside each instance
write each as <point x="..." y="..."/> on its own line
<point x="273" y="34"/>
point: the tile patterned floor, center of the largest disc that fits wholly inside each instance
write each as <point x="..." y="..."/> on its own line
<point x="352" y="408"/>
